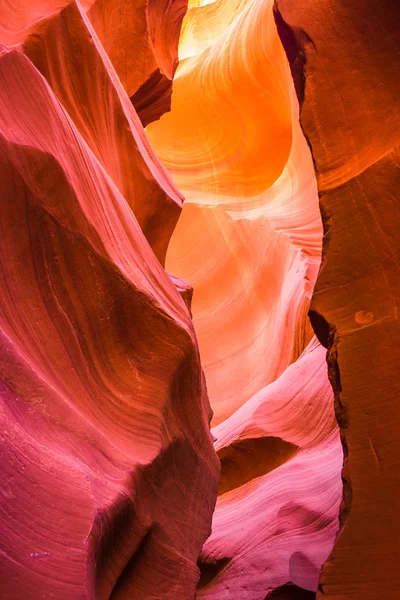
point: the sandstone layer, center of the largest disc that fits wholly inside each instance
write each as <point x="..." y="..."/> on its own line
<point x="105" y="442"/>
<point x="186" y="186"/>
<point x="249" y="241"/>
<point x="350" y="55"/>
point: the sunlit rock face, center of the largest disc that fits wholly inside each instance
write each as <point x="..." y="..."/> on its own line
<point x="106" y="452"/>
<point x="127" y="472"/>
<point x="249" y="237"/>
<point x="249" y="241"/>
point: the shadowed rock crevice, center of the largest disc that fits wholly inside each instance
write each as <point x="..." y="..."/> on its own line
<point x="291" y="592"/>
<point x="321" y="328"/>
<point x="153" y="98"/>
<point x="128" y="572"/>
<point x="209" y="571"/>
<point x="295" y="41"/>
<point x="247" y="459"/>
<point x="342" y="419"/>
<point x="115" y="539"/>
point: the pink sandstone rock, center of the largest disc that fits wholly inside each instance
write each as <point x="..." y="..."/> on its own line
<point x="249" y="241"/>
<point x="115" y="295"/>
<point x="105" y="442"/>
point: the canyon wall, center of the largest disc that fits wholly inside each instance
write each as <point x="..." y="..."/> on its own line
<point x="348" y="53"/>
<point x="198" y="300"/>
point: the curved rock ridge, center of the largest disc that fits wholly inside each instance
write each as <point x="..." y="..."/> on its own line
<point x="279" y="526"/>
<point x="113" y="485"/>
<point x="254" y="270"/>
<point x="94" y="98"/>
<point x="105" y="442"/>
<point x="140" y="38"/>
<point x="249" y="242"/>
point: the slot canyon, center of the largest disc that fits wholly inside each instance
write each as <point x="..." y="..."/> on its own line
<point x="200" y="281"/>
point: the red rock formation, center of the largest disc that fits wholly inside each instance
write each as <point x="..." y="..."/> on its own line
<point x="249" y="241"/>
<point x="94" y="98"/>
<point x="105" y="442"/>
<point x="109" y="471"/>
<point x="351" y="117"/>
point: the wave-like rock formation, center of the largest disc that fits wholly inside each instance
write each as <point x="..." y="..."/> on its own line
<point x="277" y="524"/>
<point x="249" y="237"/>
<point x="249" y="241"/>
<point x="105" y="442"/>
<point x="171" y="384"/>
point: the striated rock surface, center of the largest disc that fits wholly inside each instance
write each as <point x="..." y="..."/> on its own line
<point x="278" y="526"/>
<point x="249" y="242"/>
<point x="351" y="116"/>
<point x="110" y="127"/>
<point x="249" y="237"/>
<point x="106" y="453"/>
<point x="114" y="295"/>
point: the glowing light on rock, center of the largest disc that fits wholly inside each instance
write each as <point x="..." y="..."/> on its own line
<point x="174" y="363"/>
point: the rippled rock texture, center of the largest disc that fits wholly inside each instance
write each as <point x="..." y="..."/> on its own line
<point x="106" y="453"/>
<point x="249" y="241"/>
<point x="169" y="402"/>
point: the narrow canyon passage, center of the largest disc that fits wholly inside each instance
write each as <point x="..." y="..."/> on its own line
<point x="169" y="418"/>
<point x="249" y="242"/>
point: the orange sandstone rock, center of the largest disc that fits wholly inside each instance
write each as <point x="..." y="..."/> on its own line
<point x="249" y="241"/>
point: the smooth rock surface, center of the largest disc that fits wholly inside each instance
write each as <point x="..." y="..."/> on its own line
<point x="106" y="452"/>
<point x="249" y="241"/>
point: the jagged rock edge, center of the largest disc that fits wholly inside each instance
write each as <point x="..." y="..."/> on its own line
<point x="325" y="331"/>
